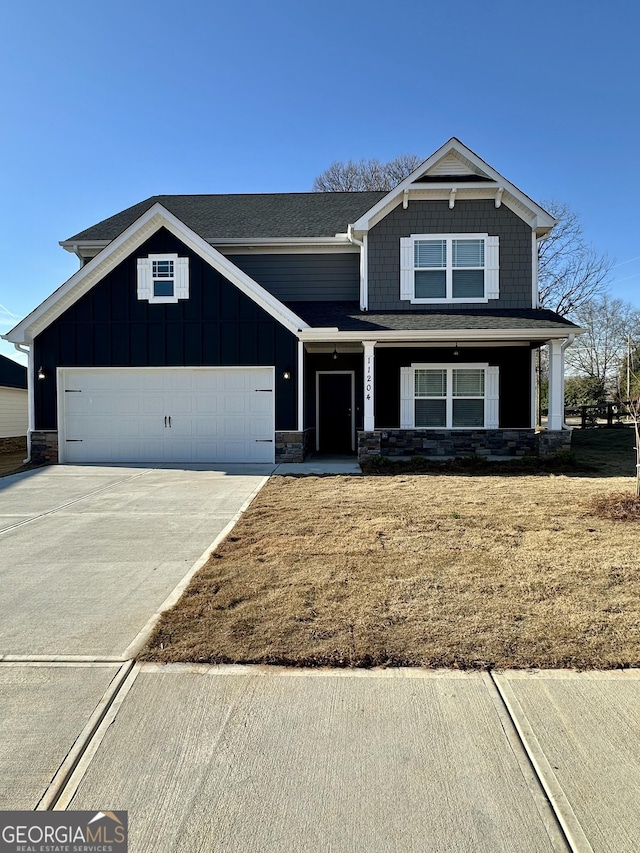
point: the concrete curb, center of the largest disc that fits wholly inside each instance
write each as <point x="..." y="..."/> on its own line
<point x="141" y="638"/>
<point x="77" y="751"/>
<point x="559" y="803"/>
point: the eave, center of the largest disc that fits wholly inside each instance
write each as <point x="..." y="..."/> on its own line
<point x="334" y="334"/>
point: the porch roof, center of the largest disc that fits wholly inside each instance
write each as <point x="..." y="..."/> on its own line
<point x="347" y="317"/>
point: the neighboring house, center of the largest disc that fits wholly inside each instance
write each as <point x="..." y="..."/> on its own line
<point x="14" y="416"/>
<point x="253" y="328"/>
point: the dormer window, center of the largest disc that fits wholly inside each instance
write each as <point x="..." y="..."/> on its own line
<point x="449" y="268"/>
<point x="163" y="278"/>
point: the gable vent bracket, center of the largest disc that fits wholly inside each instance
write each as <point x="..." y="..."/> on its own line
<point x="452" y="198"/>
<point x="405" y="199"/>
<point x="499" y="192"/>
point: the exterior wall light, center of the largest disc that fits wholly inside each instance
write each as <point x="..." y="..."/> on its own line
<point x="286" y="374"/>
<point x="41" y="373"/>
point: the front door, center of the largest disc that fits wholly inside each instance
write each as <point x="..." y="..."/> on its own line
<point x="334" y="429"/>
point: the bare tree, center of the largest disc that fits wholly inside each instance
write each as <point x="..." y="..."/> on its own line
<point x="599" y="353"/>
<point x="356" y="176"/>
<point x="570" y="271"/>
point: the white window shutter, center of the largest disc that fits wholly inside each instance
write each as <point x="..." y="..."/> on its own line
<point x="145" y="287"/>
<point x="492" y="397"/>
<point x="406" y="398"/>
<point x="181" y="274"/>
<point x="406" y="268"/>
<point x="492" y="268"/>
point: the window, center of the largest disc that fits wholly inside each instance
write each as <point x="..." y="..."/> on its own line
<point x="442" y="396"/>
<point x="163" y="278"/>
<point x="449" y="268"/>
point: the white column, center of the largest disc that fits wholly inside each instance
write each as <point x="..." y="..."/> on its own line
<point x="369" y="377"/>
<point x="556" y="385"/>
<point x="300" y="386"/>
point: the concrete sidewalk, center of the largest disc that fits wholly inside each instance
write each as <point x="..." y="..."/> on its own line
<point x="259" y="758"/>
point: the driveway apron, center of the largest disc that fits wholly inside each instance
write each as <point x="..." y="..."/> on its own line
<point x="89" y="554"/>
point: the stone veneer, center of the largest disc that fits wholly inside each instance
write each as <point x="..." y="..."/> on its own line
<point x="293" y="445"/>
<point x="14" y="444"/>
<point x="551" y="441"/>
<point x="449" y="443"/>
<point x="44" y="447"/>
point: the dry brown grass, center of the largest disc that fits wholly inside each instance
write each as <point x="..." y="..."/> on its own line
<point x="619" y="506"/>
<point x="491" y="571"/>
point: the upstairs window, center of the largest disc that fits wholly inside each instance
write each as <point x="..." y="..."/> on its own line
<point x="163" y="278"/>
<point x="449" y="268"/>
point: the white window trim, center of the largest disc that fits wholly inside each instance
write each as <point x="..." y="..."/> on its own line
<point x="408" y="398"/>
<point x="408" y="269"/>
<point x="146" y="279"/>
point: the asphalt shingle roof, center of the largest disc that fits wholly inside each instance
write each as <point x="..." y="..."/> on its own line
<point x="348" y="317"/>
<point x="248" y="215"/>
<point x="12" y="374"/>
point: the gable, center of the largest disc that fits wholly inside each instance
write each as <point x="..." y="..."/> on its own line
<point x="126" y="245"/>
<point x="455" y="173"/>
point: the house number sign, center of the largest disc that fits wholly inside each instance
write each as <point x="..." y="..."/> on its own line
<point x="369" y="376"/>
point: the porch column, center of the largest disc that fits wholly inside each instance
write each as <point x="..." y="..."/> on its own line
<point x="369" y="376"/>
<point x="555" y="419"/>
<point x="300" y="386"/>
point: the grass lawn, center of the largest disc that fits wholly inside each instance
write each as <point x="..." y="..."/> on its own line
<point x="438" y="569"/>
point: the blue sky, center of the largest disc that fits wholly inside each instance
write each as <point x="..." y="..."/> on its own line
<point x="107" y="104"/>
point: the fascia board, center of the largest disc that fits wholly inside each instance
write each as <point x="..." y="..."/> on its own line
<point x="249" y="242"/>
<point x="460" y="335"/>
<point x="119" y="249"/>
<point x="364" y="222"/>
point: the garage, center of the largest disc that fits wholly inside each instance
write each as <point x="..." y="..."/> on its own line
<point x="162" y="415"/>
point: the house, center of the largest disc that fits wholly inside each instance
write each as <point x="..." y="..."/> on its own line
<point x="14" y="417"/>
<point x="254" y="328"/>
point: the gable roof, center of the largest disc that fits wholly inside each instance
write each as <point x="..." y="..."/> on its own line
<point x="12" y="374"/>
<point x="456" y="172"/>
<point x="246" y="215"/>
<point x="122" y="247"/>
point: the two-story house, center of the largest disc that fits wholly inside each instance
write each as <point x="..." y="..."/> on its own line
<point x="254" y="328"/>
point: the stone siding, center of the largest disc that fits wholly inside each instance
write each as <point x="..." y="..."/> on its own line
<point x="44" y="447"/>
<point x="292" y="446"/>
<point x="446" y="443"/>
<point x="551" y="441"/>
<point x="15" y="444"/>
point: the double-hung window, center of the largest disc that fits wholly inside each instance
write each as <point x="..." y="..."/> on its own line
<point x="163" y="278"/>
<point x="447" y="396"/>
<point x="449" y="268"/>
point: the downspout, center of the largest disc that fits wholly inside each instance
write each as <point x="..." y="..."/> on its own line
<point x="563" y="347"/>
<point x="364" y="289"/>
<point x="28" y="351"/>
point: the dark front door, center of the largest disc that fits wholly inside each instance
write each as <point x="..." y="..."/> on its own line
<point x="335" y="416"/>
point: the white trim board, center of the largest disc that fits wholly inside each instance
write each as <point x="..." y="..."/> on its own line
<point x="120" y="249"/>
<point x="511" y="196"/>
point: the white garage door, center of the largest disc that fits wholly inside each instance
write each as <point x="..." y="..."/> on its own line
<point x="166" y="415"/>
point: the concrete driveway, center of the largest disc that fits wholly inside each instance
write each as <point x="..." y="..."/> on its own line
<point x="88" y="554"/>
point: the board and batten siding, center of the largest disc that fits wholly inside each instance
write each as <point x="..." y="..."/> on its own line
<point x="435" y="217"/>
<point x="217" y="326"/>
<point x="514" y="395"/>
<point x="320" y="277"/>
<point x="14" y="414"/>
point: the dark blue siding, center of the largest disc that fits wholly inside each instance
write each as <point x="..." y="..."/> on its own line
<point x="217" y="326"/>
<point x="515" y="380"/>
<point x="317" y="277"/>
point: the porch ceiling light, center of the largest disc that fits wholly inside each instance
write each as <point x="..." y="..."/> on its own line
<point x="335" y="352"/>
